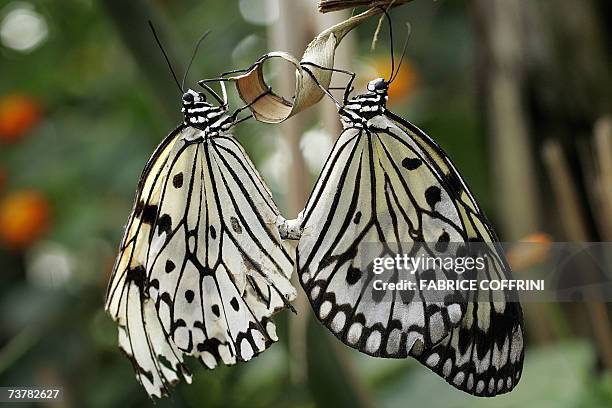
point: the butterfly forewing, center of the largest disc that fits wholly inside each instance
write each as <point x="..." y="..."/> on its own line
<point x="360" y="200"/>
<point x="135" y="243"/>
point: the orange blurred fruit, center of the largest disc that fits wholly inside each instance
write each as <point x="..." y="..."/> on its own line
<point x="24" y="217"/>
<point x="529" y="251"/>
<point x="404" y="84"/>
<point x="18" y="114"/>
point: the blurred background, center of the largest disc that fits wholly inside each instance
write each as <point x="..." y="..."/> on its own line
<point x="516" y="92"/>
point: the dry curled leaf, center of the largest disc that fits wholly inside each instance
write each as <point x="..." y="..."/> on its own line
<point x="272" y="108"/>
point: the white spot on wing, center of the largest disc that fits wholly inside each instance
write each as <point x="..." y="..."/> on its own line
<point x="271" y="330"/>
<point x="454" y="313"/>
<point x="448" y="365"/>
<point x="208" y="359"/>
<point x="373" y="342"/>
<point x="480" y="386"/>
<point x="246" y="351"/>
<point x="433" y="360"/>
<point x="314" y="293"/>
<point x="325" y="309"/>
<point x="354" y="333"/>
<point x="338" y="321"/>
<point x="436" y="327"/>
<point x="470" y="382"/>
<point x="458" y="380"/>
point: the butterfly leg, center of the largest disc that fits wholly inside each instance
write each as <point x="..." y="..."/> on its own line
<point x="221" y="80"/>
<point x="222" y="101"/>
<point x="247" y="106"/>
<point x="234" y="121"/>
<point x="349" y="86"/>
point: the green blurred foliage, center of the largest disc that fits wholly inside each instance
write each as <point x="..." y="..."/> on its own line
<point x="101" y="122"/>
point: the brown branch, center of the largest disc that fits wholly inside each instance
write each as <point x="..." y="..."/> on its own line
<point x="326" y="6"/>
<point x="603" y="149"/>
<point x="576" y="230"/>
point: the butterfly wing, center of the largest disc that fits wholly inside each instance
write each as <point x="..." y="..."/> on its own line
<point x="484" y="354"/>
<point x="156" y="360"/>
<point x="154" y="356"/>
<point x="135" y="242"/>
<point x="202" y="250"/>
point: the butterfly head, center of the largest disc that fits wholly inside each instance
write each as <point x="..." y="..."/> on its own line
<point x="378" y="86"/>
<point x="191" y="98"/>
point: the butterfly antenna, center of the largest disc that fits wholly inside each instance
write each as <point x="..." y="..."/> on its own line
<point x="193" y="55"/>
<point x="161" y="47"/>
<point x="409" y="28"/>
<point x="388" y="17"/>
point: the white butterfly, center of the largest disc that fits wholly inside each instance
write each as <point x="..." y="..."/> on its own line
<point x="201" y="267"/>
<point x="387" y="182"/>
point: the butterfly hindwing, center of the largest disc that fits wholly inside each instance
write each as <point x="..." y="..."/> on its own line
<point x="155" y="358"/>
<point x="484" y="354"/>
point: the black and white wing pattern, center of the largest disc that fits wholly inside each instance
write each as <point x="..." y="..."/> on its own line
<point x="484" y="354"/>
<point x="387" y="185"/>
<point x="201" y="267"/>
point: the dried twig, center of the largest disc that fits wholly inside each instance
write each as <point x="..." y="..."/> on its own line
<point x="576" y="230"/>
<point x="603" y="154"/>
<point x="326" y="6"/>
